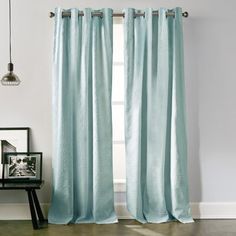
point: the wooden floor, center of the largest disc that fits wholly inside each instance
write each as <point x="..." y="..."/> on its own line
<point x="123" y="228"/>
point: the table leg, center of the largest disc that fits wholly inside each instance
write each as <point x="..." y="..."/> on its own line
<point x="37" y="206"/>
<point x="32" y="209"/>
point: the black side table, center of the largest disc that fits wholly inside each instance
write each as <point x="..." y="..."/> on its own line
<point x="35" y="209"/>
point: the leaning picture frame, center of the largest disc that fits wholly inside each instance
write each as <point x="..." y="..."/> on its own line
<point x="13" y="139"/>
<point x="23" y="167"/>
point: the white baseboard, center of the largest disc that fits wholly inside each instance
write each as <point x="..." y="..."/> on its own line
<point x="213" y="210"/>
<point x="202" y="210"/>
<point x="18" y="211"/>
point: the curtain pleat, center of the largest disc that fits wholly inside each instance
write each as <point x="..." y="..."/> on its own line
<point x="82" y="122"/>
<point x="155" y="134"/>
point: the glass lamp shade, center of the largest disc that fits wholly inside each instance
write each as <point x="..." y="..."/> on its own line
<point x="10" y="79"/>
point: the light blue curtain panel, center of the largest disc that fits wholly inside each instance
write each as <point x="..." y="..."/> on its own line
<point x="82" y="122"/>
<point x="155" y="133"/>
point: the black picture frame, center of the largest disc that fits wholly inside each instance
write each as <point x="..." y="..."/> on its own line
<point x="23" y="167"/>
<point x="13" y="139"/>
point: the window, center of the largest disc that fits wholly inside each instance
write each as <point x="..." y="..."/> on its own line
<point x="118" y="104"/>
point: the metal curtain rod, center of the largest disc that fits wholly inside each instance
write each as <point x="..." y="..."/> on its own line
<point x="68" y="14"/>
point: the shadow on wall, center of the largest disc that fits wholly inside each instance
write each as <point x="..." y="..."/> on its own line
<point x="192" y="53"/>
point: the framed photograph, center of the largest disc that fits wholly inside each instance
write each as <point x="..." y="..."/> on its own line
<point x="23" y="166"/>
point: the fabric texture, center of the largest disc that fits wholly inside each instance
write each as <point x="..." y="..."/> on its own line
<point x="155" y="133"/>
<point x="82" y="122"/>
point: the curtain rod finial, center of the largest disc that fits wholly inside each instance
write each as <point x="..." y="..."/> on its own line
<point x="185" y="14"/>
<point x="51" y="14"/>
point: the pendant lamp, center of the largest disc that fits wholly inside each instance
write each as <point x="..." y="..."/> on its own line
<point x="10" y="79"/>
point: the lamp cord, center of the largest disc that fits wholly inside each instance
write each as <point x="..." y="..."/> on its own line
<point x="10" y="30"/>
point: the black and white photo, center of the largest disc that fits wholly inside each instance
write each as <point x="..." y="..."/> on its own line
<point x="22" y="166"/>
<point x="13" y="139"/>
<point x="26" y="166"/>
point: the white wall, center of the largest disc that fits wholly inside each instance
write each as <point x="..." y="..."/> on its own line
<point x="210" y="62"/>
